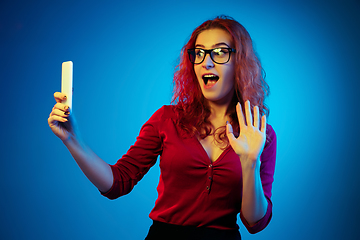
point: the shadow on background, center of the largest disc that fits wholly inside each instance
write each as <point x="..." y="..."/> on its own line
<point x="124" y="55"/>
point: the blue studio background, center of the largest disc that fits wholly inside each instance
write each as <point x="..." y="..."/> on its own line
<point x="124" y="54"/>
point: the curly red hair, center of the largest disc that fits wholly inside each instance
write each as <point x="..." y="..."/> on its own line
<point x="249" y="82"/>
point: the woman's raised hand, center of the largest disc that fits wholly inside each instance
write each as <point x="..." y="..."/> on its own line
<point x="251" y="141"/>
<point x="60" y="121"/>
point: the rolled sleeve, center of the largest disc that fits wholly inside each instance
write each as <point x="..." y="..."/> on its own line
<point x="141" y="156"/>
<point x="262" y="223"/>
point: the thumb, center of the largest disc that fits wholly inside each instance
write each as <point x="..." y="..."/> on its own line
<point x="229" y="132"/>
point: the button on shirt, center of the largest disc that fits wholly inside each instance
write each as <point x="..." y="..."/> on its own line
<point x="192" y="190"/>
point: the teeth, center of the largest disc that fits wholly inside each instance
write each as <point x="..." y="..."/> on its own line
<point x="209" y="75"/>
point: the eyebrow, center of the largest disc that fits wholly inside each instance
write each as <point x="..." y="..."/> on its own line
<point x="215" y="45"/>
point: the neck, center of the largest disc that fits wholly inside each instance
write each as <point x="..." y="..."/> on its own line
<point x="219" y="110"/>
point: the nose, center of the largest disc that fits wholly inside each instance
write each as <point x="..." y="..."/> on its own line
<point x="208" y="62"/>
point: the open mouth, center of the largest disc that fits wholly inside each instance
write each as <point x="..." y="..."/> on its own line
<point x="210" y="79"/>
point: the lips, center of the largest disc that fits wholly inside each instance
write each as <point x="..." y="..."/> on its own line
<point x="210" y="79"/>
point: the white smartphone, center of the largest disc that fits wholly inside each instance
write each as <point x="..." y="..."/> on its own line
<point x="67" y="82"/>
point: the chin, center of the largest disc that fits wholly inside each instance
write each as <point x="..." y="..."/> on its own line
<point x="219" y="98"/>
<point x="215" y="99"/>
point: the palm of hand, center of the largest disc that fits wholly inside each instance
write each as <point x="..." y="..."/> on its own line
<point x="251" y="141"/>
<point x="60" y="129"/>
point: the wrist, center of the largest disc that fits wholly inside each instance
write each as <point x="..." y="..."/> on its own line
<point x="71" y="140"/>
<point x="250" y="164"/>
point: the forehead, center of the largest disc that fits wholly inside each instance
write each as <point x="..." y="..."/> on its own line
<point x="211" y="37"/>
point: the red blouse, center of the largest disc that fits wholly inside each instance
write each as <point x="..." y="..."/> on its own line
<point x="192" y="191"/>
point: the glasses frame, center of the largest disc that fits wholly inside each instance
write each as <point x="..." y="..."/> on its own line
<point x="209" y="51"/>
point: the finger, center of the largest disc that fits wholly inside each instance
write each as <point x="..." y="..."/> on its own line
<point x="248" y="113"/>
<point x="62" y="107"/>
<point x="59" y="97"/>
<point x="53" y="119"/>
<point x="263" y="124"/>
<point x="58" y="112"/>
<point x="240" y="115"/>
<point x="229" y="128"/>
<point x="229" y="133"/>
<point x="256" y="117"/>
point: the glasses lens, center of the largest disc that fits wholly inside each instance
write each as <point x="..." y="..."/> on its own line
<point x="220" y="55"/>
<point x="198" y="55"/>
<point x="191" y="53"/>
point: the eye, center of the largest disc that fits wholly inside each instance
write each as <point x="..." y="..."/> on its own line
<point x="199" y="52"/>
<point x="220" y="51"/>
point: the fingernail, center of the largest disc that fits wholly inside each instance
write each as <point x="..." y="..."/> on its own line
<point x="67" y="113"/>
<point x="227" y="122"/>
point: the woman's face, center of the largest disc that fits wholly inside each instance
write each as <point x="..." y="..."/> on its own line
<point x="216" y="80"/>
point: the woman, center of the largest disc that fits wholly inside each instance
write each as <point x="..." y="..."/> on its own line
<point x="217" y="155"/>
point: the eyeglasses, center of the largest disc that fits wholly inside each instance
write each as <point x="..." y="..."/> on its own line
<point x="218" y="55"/>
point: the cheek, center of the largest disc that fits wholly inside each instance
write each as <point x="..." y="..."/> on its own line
<point x="229" y="75"/>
